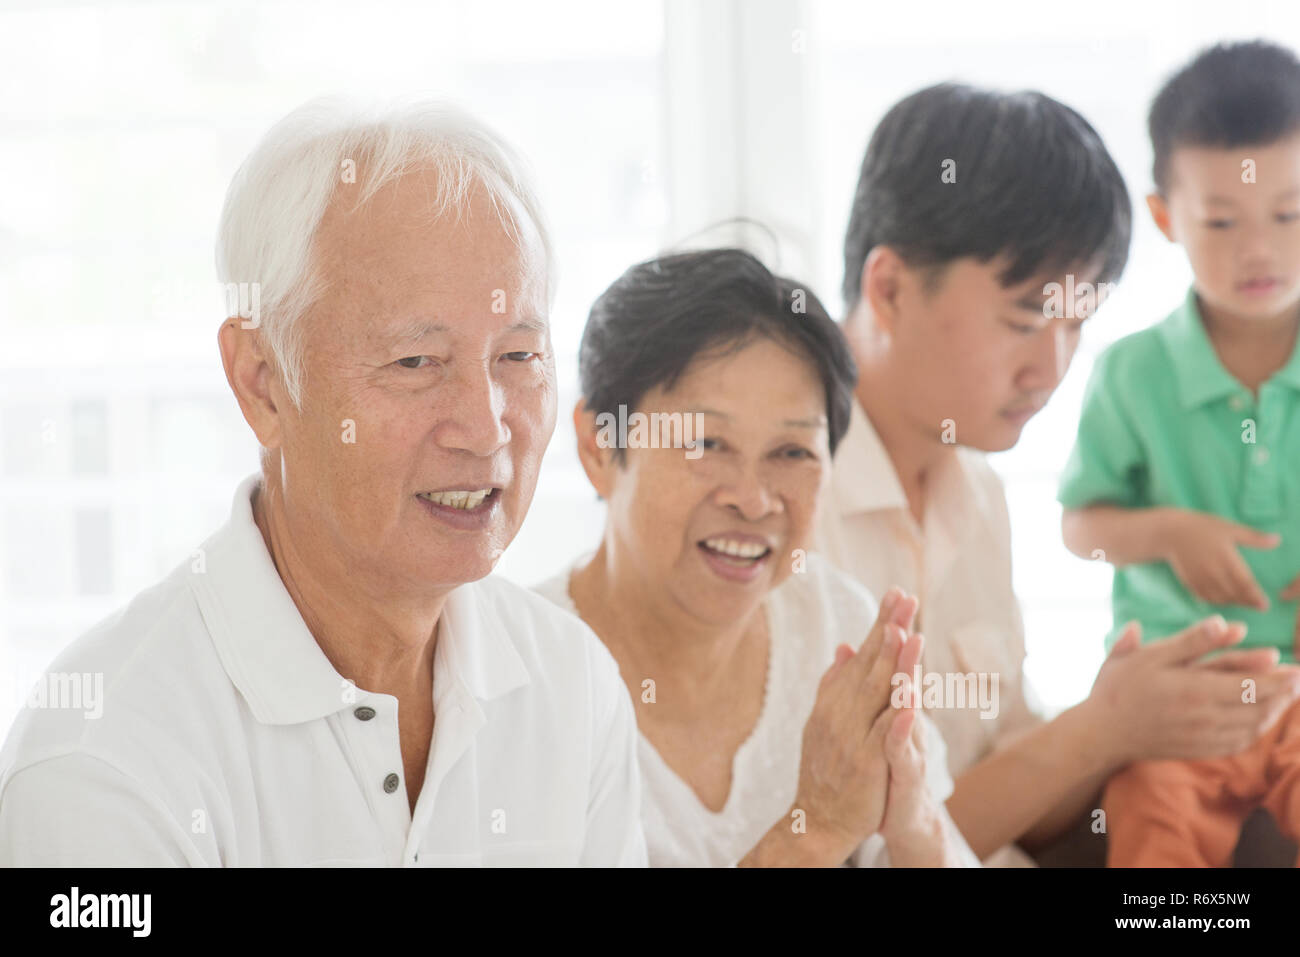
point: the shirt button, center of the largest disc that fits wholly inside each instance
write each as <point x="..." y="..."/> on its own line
<point x="364" y="713"/>
<point x="390" y="783"/>
<point x="1261" y="456"/>
<point x="1236" y="403"/>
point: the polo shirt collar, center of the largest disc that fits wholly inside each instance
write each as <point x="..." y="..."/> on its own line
<point x="1289" y="374"/>
<point x="476" y="635"/>
<point x="273" y="659"/>
<point x="259" y="635"/>
<point x="1201" y="377"/>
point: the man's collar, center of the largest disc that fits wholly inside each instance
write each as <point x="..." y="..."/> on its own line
<point x="864" y="478"/>
<point x="478" y="643"/>
<point x="272" y="657"/>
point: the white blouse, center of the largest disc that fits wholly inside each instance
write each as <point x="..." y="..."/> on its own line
<point x="809" y="615"/>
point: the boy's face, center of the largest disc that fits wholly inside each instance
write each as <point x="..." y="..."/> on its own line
<point x="1239" y="222"/>
<point x="982" y="356"/>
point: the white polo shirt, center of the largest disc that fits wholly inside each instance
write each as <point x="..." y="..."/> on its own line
<point x="958" y="563"/>
<point x="228" y="739"/>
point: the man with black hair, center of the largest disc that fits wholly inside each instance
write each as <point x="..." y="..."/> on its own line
<point x="1186" y="472"/>
<point x="986" y="228"/>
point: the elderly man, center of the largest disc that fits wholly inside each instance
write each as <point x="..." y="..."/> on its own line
<point x="334" y="678"/>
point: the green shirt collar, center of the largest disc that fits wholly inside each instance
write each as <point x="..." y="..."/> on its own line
<point x="1289" y="374"/>
<point x="1201" y="376"/>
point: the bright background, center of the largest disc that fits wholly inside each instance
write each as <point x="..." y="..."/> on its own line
<point x="646" y="121"/>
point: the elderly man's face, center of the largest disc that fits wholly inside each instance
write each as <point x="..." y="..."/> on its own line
<point x="428" y="371"/>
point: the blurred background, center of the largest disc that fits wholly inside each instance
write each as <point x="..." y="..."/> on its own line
<point x="646" y="121"/>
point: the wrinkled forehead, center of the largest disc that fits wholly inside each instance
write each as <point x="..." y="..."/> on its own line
<point x="415" y="237"/>
<point x="423" y="199"/>
<point x="721" y="379"/>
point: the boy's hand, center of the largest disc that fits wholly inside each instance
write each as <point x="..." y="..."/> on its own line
<point x="1203" y="551"/>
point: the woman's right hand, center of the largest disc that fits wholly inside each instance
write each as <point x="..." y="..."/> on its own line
<point x="844" y="772"/>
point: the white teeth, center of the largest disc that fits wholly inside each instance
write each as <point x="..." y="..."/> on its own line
<point x="458" y="499"/>
<point x="727" y="546"/>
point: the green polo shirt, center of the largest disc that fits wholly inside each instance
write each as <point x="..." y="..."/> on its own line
<point x="1165" y="424"/>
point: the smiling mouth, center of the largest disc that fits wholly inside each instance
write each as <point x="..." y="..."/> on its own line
<point x="467" y="500"/>
<point x="739" y="554"/>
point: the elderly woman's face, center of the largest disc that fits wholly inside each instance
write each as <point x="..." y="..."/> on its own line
<point x="428" y="372"/>
<point x="694" y="525"/>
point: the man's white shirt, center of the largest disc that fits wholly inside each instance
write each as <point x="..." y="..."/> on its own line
<point x="958" y="564"/>
<point x="228" y="739"/>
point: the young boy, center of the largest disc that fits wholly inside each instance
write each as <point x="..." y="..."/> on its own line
<point x="1186" y="472"/>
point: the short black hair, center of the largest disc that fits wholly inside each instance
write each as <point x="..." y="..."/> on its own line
<point x="1232" y="94"/>
<point x="1033" y="181"/>
<point x="646" y="329"/>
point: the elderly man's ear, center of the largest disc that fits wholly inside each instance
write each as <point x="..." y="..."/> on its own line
<point x="252" y="379"/>
<point x="596" y="461"/>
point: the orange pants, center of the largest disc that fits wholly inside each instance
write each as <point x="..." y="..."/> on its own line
<point x="1189" y="813"/>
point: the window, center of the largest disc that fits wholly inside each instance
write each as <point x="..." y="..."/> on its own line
<point x="121" y="442"/>
<point x="647" y="122"/>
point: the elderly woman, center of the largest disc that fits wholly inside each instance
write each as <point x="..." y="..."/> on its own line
<point x="729" y="637"/>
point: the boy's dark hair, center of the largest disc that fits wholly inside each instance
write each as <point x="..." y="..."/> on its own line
<point x="1233" y="94"/>
<point x="661" y="315"/>
<point x="1033" y="181"/>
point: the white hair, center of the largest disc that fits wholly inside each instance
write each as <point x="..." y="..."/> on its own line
<point x="279" y="195"/>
